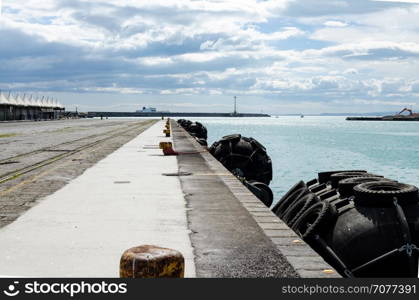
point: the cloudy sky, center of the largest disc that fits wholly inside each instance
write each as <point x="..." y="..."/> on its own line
<point x="276" y="56"/>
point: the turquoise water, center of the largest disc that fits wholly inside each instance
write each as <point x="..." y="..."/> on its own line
<point x="301" y="147"/>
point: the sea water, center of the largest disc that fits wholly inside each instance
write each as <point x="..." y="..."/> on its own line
<point x="302" y="147"/>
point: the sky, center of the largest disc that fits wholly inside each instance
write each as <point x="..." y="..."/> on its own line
<point x="276" y="56"/>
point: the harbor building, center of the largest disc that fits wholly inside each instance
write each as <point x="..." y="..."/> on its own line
<point x="24" y="108"/>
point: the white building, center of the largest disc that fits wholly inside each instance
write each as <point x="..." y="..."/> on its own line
<point x="28" y="108"/>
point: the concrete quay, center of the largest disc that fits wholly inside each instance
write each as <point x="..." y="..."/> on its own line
<point x="127" y="199"/>
<point x="39" y="158"/>
<point x="82" y="229"/>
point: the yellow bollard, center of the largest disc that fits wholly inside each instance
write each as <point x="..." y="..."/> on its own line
<point x="167" y="132"/>
<point x="164" y="145"/>
<point x="149" y="261"/>
<point x="167" y="148"/>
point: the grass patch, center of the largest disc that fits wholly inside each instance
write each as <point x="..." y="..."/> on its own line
<point x="7" y="135"/>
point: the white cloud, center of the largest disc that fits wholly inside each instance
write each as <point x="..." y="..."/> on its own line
<point x="384" y="103"/>
<point x="114" y="89"/>
<point x="335" y="24"/>
<point x="217" y="48"/>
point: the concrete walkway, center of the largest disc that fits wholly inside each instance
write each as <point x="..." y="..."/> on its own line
<point x="82" y="229"/>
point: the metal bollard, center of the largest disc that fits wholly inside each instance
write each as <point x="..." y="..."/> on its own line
<point x="167" y="132"/>
<point x="149" y="261"/>
<point x="167" y="148"/>
<point x="163" y="145"/>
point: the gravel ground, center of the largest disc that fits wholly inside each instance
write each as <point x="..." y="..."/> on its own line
<point x="21" y="193"/>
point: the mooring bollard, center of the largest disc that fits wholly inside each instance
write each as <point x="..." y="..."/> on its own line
<point x="167" y="132"/>
<point x="149" y="261"/>
<point x="167" y="148"/>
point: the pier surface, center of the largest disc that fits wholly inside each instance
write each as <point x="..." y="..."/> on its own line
<point x="134" y="196"/>
<point x="83" y="229"/>
<point x="38" y="158"/>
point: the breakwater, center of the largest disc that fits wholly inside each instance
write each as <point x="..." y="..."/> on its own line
<point x="98" y="114"/>
<point x="385" y="118"/>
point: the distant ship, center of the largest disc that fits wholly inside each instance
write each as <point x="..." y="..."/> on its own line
<point x="146" y="110"/>
<point x="301" y="116"/>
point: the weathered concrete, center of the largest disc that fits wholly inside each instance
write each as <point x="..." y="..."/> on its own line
<point x="226" y="239"/>
<point x="234" y="234"/>
<point x="83" y="229"/>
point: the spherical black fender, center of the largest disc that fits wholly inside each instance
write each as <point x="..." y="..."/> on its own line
<point x="245" y="156"/>
<point x="324" y="177"/>
<point x="198" y="130"/>
<point x="383" y="193"/>
<point x="346" y="186"/>
<point x="262" y="191"/>
<point x="187" y="124"/>
<point x="317" y="219"/>
<point x="298" y="208"/>
<point x="220" y="150"/>
<point x="232" y="138"/>
<point x="257" y="145"/>
<point x="202" y="142"/>
<point x="362" y="234"/>
<point x="335" y="178"/>
<point x="283" y="205"/>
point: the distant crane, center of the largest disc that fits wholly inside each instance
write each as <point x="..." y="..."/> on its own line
<point x="410" y="111"/>
<point x="406" y="109"/>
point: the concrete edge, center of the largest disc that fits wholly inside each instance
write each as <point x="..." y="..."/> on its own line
<point x="305" y="261"/>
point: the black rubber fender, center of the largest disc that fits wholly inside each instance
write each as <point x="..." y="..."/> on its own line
<point x="313" y="182"/>
<point x="257" y="145"/>
<point x="295" y="187"/>
<point x="329" y="194"/>
<point x="298" y="208"/>
<point x="382" y="193"/>
<point x="202" y="142"/>
<point x="335" y="178"/>
<point x="198" y="130"/>
<point x="315" y="220"/>
<point x="282" y="206"/>
<point x="318" y="188"/>
<point x="346" y="186"/>
<point x="324" y="177"/>
<point x="244" y="157"/>
<point x="262" y="191"/>
<point x="231" y="138"/>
